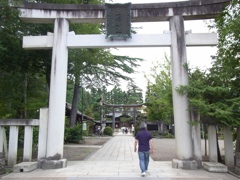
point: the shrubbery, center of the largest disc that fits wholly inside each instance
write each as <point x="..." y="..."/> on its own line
<point x="156" y="134"/>
<point x="73" y="134"/>
<point x="108" y="131"/>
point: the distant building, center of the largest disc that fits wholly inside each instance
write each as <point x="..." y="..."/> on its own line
<point x="79" y="115"/>
<point x="121" y="120"/>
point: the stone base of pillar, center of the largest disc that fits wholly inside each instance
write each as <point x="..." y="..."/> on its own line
<point x="215" y="167"/>
<point x="52" y="164"/>
<point x="2" y="163"/>
<point x="185" y="164"/>
<point x="199" y="164"/>
<point x="237" y="170"/>
<point x="2" y="170"/>
<point x="237" y="167"/>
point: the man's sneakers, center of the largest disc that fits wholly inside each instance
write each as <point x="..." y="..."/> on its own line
<point x="144" y="174"/>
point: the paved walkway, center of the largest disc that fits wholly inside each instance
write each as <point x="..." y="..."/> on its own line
<point x="116" y="160"/>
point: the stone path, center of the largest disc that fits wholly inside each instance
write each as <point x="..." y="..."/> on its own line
<point x="116" y="160"/>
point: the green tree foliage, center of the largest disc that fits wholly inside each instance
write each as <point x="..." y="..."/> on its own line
<point x="226" y="69"/>
<point x="114" y="96"/>
<point x="73" y="134"/>
<point x="22" y="72"/>
<point x="95" y="67"/>
<point x="134" y="94"/>
<point x="108" y="131"/>
<point x="216" y="93"/>
<point x="211" y="98"/>
<point x="159" y="94"/>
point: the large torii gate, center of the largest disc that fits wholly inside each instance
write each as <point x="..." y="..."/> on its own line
<point x="61" y="40"/>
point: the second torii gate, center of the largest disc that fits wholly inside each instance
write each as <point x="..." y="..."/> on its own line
<point x="177" y="39"/>
<point x="113" y="106"/>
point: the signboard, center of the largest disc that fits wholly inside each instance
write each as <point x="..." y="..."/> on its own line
<point x="118" y="21"/>
<point x="84" y="127"/>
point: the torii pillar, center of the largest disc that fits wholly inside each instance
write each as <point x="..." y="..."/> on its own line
<point x="183" y="135"/>
<point x="55" y="139"/>
<point x="51" y="153"/>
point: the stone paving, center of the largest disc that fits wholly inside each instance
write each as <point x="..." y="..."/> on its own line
<point x="116" y="160"/>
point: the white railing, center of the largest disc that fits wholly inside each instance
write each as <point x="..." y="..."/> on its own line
<point x="12" y="149"/>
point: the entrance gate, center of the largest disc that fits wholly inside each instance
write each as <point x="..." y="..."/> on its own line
<point x="113" y="106"/>
<point x="61" y="40"/>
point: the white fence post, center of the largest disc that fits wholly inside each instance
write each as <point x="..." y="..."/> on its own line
<point x="13" y="146"/>
<point x="228" y="147"/>
<point x="1" y="138"/>
<point x="42" y="137"/>
<point x="28" y="138"/>
<point x="3" y="141"/>
<point x="5" y="148"/>
<point x="212" y="142"/>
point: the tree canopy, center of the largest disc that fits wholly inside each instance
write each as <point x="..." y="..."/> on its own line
<point x="215" y="93"/>
<point x="159" y="93"/>
<point x="25" y="74"/>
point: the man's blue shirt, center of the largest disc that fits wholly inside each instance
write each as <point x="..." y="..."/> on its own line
<point x="143" y="137"/>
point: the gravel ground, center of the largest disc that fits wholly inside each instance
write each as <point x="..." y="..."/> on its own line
<point x="79" y="152"/>
<point x="164" y="149"/>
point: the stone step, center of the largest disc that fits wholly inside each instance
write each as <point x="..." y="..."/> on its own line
<point x="215" y="167"/>
<point x="25" y="167"/>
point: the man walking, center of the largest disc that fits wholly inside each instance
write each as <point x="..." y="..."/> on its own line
<point x="145" y="146"/>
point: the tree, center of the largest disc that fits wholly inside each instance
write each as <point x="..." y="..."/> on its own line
<point x="95" y="67"/>
<point x="98" y="67"/>
<point x="227" y="64"/>
<point x="134" y="94"/>
<point x="159" y="94"/>
<point x="22" y="72"/>
<point x="222" y="92"/>
<point x="215" y="93"/>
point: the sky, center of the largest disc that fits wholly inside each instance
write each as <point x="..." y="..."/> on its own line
<point x="196" y="56"/>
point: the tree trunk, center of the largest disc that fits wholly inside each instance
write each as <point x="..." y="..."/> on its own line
<point x="196" y="135"/>
<point x="237" y="149"/>
<point x="24" y="114"/>
<point x="74" y="103"/>
<point x="218" y="151"/>
<point x="48" y="79"/>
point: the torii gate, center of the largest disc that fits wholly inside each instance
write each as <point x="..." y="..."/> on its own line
<point x="61" y="39"/>
<point x="113" y="106"/>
